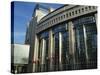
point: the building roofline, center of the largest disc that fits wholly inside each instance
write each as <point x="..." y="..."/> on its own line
<point x="54" y="11"/>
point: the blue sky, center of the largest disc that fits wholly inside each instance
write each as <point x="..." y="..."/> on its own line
<point x="22" y="15"/>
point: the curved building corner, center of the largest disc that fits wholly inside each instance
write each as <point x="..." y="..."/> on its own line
<point x="64" y="39"/>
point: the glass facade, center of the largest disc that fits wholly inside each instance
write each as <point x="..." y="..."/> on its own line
<point x="85" y="46"/>
<point x="85" y="35"/>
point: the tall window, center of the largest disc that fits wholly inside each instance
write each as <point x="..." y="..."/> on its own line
<point x="86" y="42"/>
<point x="65" y="50"/>
<point x="92" y="43"/>
<point x="61" y="41"/>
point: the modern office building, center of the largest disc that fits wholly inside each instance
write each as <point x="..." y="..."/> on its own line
<point x="62" y="39"/>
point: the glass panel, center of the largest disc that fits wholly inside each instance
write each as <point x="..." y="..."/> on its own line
<point x="38" y="68"/>
<point x="80" y="48"/>
<point x="86" y="40"/>
<point x="46" y="56"/>
<point x="56" y="51"/>
<point x="60" y="29"/>
<point x="65" y="50"/>
<point x="92" y="43"/>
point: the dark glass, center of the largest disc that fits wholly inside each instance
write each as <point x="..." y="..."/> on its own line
<point x="80" y="48"/>
<point x="56" y="30"/>
<point x="38" y="68"/>
<point x="65" y="50"/>
<point x="91" y="34"/>
<point x="56" y="51"/>
<point x="46" y="55"/>
<point x="86" y="42"/>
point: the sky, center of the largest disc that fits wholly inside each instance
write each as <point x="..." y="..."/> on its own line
<point x="22" y="15"/>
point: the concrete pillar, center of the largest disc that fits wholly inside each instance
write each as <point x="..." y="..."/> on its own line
<point x="43" y="54"/>
<point x="71" y="44"/>
<point x="60" y="51"/>
<point x="35" y="57"/>
<point x="51" y="50"/>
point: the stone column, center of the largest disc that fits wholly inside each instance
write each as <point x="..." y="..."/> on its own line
<point x="35" y="57"/>
<point x="43" y="54"/>
<point x="60" y="51"/>
<point x="71" y="45"/>
<point x="51" y="50"/>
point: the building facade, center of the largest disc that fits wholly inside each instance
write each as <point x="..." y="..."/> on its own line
<point x="63" y="39"/>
